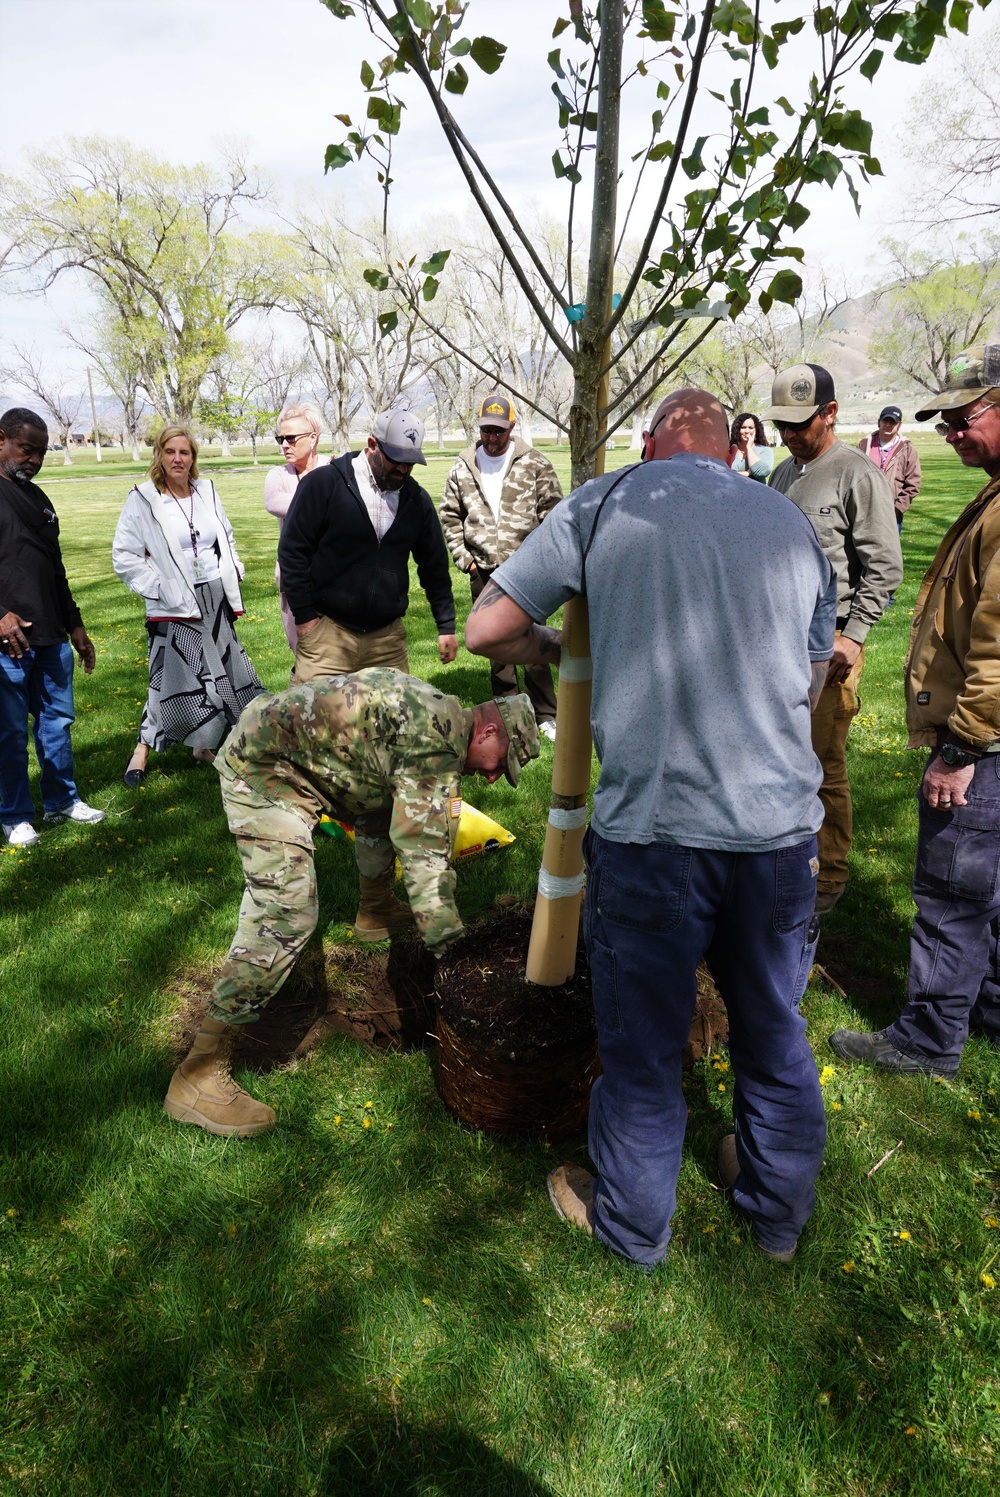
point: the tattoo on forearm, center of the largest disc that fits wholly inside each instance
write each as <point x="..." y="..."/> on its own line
<point x="817" y="682"/>
<point x="490" y="594"/>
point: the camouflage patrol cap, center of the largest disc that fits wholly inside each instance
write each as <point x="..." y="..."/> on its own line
<point x="522" y="730"/>
<point x="972" y="375"/>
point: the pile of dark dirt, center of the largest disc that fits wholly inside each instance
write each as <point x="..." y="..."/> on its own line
<point x="485" y="998"/>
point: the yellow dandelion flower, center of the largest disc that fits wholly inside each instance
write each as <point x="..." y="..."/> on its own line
<point x="366" y="1123"/>
<point x="988" y="1281"/>
<point x="710" y="1228"/>
<point x="848" y="1267"/>
<point x="827" y="1074"/>
<point x="369" y="1106"/>
<point x="722" y="1086"/>
<point x="904" y="1237"/>
<point x="991" y="1221"/>
<point x="336" y="1121"/>
<point x="425" y="1301"/>
<point x="835" y="1106"/>
<point x="974" y="1114"/>
<point x="909" y="1430"/>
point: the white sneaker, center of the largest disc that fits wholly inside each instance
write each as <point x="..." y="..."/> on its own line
<point x="20" y="833"/>
<point x="548" y="730"/>
<point x="79" y="811"/>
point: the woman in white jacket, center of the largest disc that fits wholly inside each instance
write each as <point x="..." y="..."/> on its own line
<point x="174" y="547"/>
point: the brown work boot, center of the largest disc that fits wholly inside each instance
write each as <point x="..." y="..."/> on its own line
<point x="202" y="1092"/>
<point x="380" y="914"/>
<point x="571" y="1191"/>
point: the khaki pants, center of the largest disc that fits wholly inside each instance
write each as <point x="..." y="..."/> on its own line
<point x="330" y="650"/>
<point x="837" y="705"/>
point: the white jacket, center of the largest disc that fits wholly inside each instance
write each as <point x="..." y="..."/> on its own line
<point x="150" y="560"/>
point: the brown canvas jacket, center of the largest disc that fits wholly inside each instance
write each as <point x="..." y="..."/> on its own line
<point x="530" y="490"/>
<point x="902" y="470"/>
<point x="952" y="671"/>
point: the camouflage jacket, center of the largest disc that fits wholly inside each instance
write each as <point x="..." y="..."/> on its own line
<point x="530" y="490"/>
<point x="361" y="744"/>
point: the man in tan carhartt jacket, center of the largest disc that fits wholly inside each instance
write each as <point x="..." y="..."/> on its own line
<point x="953" y="707"/>
<point x="498" y="492"/>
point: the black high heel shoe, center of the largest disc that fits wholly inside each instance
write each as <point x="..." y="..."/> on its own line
<point x="133" y="777"/>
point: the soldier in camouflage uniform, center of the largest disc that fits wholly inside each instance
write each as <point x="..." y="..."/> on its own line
<point x="380" y="749"/>
<point x="497" y="493"/>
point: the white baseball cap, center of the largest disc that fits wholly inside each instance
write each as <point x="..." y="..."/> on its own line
<point x="400" y="435"/>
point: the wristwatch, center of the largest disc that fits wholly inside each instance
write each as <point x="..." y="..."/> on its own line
<point x="956" y="756"/>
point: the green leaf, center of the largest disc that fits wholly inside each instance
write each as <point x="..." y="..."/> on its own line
<point x="456" y="80"/>
<point x="662" y="151"/>
<point x="871" y="64"/>
<point x="376" y="278"/>
<point x="658" y="22"/>
<point x="559" y="27"/>
<point x="421" y="14"/>
<point x="462" y="47"/>
<point x="338" y="8"/>
<point x="823" y="165"/>
<point x="436" y="263"/>
<point x="786" y="286"/>
<point x="430" y="288"/>
<point x="487" y="53"/>
<point x="335" y="157"/>
<point x="378" y="108"/>
<point x="557" y="165"/>
<point x="388" y="323"/>
<point x="796" y="215"/>
<point x="345" y="119"/>
<point x="554" y="60"/>
<point x="367" y="75"/>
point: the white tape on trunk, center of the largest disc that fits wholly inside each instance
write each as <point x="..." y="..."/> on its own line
<point x="550" y="886"/>
<point x="575" y="667"/>
<point x="568" y="821"/>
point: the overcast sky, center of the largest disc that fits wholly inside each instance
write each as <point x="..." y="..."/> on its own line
<point x="178" y="75"/>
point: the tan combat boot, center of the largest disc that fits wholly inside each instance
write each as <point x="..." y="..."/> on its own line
<point x="380" y="914"/>
<point x="202" y="1092"/>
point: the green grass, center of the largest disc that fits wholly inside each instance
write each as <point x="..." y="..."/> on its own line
<point x="335" y="1309"/>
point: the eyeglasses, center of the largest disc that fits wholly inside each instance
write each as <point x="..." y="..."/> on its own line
<point x="800" y="425"/>
<point x="960" y="424"/>
<point x="290" y="436"/>
<point x="392" y="460"/>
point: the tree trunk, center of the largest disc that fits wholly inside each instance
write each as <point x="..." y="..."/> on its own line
<point x="636" y="443"/>
<point x="225" y="446"/>
<point x="527" y="430"/>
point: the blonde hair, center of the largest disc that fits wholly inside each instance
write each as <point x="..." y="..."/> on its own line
<point x="310" y="413"/>
<point x="166" y="434"/>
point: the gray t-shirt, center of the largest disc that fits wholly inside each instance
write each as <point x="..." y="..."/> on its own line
<point x="709" y="599"/>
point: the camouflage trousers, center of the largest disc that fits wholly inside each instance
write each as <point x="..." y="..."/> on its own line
<point x="280" y="906"/>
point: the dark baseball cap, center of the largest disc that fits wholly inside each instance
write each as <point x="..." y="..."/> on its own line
<point x="797" y="393"/>
<point x="890" y="413"/>
<point x="497" y="410"/>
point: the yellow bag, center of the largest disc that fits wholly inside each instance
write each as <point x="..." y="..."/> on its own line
<point x="477" y="833"/>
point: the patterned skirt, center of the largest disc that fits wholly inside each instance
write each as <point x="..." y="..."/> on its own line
<point x="200" y="677"/>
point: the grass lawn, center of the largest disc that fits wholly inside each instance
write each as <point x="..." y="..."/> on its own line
<point x="395" y="1308"/>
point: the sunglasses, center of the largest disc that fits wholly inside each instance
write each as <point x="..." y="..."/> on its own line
<point x="800" y="425"/>
<point x="391" y="460"/>
<point x="291" y="436"/>
<point x="960" y="424"/>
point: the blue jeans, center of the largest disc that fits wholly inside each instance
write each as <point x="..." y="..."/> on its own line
<point x="40" y="686"/>
<point x="954" y="981"/>
<point x="651" y="913"/>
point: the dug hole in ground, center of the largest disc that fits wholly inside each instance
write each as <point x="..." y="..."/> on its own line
<point x="512" y="1057"/>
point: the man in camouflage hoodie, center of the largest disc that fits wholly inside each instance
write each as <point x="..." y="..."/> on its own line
<point x="383" y="750"/>
<point x="498" y="492"/>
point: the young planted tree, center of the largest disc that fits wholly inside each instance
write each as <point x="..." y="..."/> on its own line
<point x="711" y="193"/>
<point x="60" y="396"/>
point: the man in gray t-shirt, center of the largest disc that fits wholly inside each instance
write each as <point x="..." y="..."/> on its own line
<point x="712" y="615"/>
<point x="849" y="503"/>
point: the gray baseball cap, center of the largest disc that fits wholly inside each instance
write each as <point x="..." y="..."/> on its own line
<point x="797" y="393"/>
<point x="400" y="435"/>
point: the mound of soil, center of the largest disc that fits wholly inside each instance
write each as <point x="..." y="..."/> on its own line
<point x="485" y="998"/>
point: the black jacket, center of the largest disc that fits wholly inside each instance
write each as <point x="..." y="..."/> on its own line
<point x="333" y="564"/>
<point x="32" y="577"/>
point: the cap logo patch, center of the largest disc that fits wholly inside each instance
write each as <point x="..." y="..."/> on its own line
<point x="923" y="698"/>
<point x="801" y="389"/>
<point x="494" y="409"/>
<point x="960" y="365"/>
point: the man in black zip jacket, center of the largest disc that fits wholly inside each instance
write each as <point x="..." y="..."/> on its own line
<point x="345" y="550"/>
